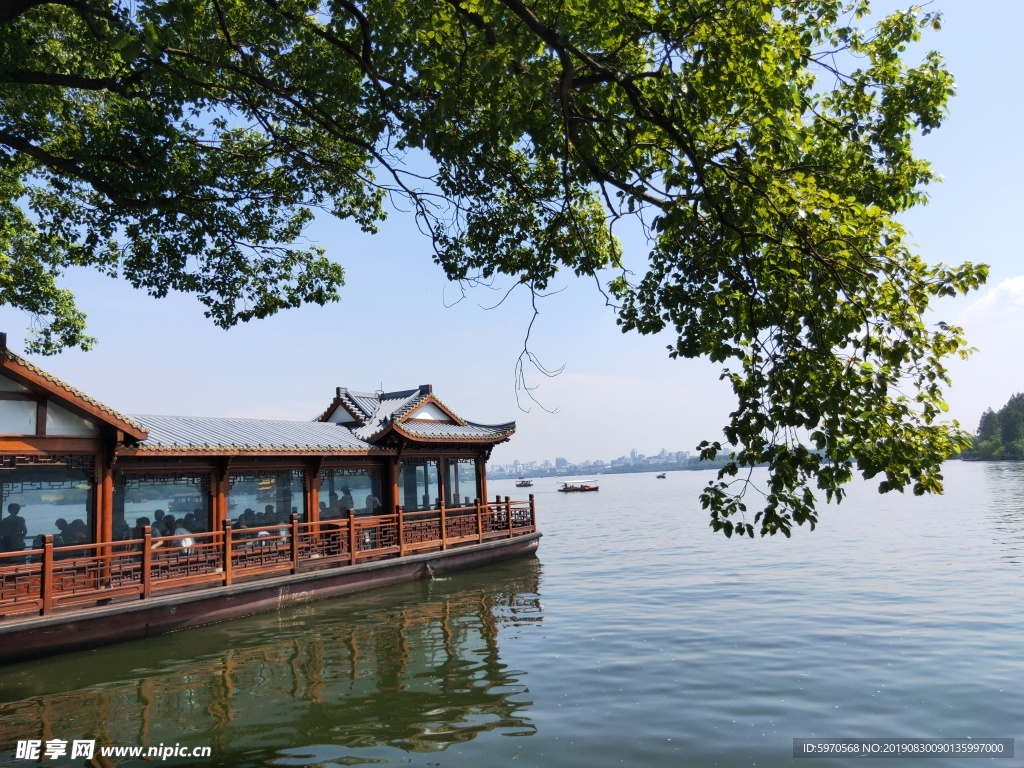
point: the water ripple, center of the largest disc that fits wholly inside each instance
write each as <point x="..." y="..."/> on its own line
<point x="637" y="638"/>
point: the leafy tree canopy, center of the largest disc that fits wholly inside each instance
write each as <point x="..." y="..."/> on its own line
<point x="766" y="147"/>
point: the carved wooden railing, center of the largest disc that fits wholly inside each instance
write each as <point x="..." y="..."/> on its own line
<point x="54" y="578"/>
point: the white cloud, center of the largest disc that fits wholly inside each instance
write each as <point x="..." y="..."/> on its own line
<point x="1004" y="300"/>
<point x="994" y="324"/>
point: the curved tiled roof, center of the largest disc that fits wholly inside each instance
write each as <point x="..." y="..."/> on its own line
<point x="384" y="412"/>
<point x="372" y="408"/>
<point x="368" y="403"/>
<point x="390" y="406"/>
<point x="432" y="430"/>
<point x="231" y="434"/>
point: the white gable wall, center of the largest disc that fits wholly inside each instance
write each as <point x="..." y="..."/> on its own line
<point x="341" y="416"/>
<point x="431" y="412"/>
<point x="17" y="417"/>
<point x="9" y="385"/>
<point x="60" y="421"/>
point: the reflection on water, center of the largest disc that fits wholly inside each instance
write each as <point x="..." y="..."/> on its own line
<point x="662" y="645"/>
<point x="408" y="670"/>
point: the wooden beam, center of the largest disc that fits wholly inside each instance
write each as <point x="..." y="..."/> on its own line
<point x="211" y="453"/>
<point x="4" y="395"/>
<point x="49" y="444"/>
<point x="163" y="464"/>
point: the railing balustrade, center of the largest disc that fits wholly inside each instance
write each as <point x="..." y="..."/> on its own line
<point x="54" y="578"/>
<point x="184" y="559"/>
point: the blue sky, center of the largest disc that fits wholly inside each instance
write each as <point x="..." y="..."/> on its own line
<point x="393" y="328"/>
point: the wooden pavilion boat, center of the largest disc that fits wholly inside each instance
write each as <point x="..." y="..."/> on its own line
<point x="118" y="526"/>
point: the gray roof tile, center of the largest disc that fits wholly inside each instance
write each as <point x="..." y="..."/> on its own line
<point x="467" y="431"/>
<point x="389" y="405"/>
<point x="381" y="410"/>
<point x="184" y="432"/>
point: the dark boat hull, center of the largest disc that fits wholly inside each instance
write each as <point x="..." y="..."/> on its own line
<point x="26" y="638"/>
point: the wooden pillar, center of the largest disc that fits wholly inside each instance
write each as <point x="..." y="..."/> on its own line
<point x="442" y="481"/>
<point x="147" y="562"/>
<point x="479" y="521"/>
<point x="104" y="523"/>
<point x="46" y="576"/>
<point x="444" y="524"/>
<point x="227" y="553"/>
<point x="312" y="494"/>
<point x="481" y="474"/>
<point x="219" y="491"/>
<point x="393" y="482"/>
<point x="352" y="535"/>
<point x="401" y="531"/>
<point x="105" y="508"/>
<point x="295" y="542"/>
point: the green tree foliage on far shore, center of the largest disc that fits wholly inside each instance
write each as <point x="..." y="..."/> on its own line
<point x="1000" y="435"/>
<point x="765" y="147"/>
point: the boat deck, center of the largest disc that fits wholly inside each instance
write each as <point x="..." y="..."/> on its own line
<point x="55" y="580"/>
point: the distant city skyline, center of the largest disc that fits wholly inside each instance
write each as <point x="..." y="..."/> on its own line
<point x="633" y="457"/>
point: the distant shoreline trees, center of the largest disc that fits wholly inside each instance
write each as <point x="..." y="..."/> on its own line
<point x="1000" y="435"/>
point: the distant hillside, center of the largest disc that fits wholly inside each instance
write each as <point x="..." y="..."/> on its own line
<point x="1000" y="435"/>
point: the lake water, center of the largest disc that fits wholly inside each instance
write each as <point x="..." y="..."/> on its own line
<point x="636" y="637"/>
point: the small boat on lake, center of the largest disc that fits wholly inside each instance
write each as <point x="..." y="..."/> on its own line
<point x="522" y="482"/>
<point x="185" y="503"/>
<point x="577" y="487"/>
<point x="661" y="476"/>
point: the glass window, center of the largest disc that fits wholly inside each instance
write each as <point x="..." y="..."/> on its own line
<point x="345" y="489"/>
<point x="266" y="497"/>
<point x="459" y="482"/>
<point x="167" y="503"/>
<point x="418" y="482"/>
<point x="54" y="499"/>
